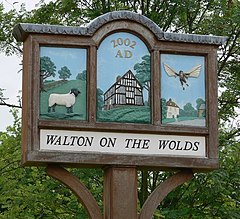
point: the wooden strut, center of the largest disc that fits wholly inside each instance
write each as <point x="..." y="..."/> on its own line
<point x="88" y="201"/>
<point x="74" y="184"/>
<point x="162" y="191"/>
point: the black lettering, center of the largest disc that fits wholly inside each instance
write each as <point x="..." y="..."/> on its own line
<point x="112" y="142"/>
<point x="172" y="143"/>
<point x="163" y="144"/>
<point x="178" y="146"/>
<point x="73" y="138"/>
<point x="136" y="142"/>
<point x="88" y="141"/>
<point x="81" y="141"/>
<point x="188" y="146"/>
<point x="128" y="142"/>
<point x="196" y="144"/>
<point x="58" y="141"/>
<point x="145" y="144"/>
<point x="65" y="141"/>
<point x="51" y="139"/>
<point x="103" y="142"/>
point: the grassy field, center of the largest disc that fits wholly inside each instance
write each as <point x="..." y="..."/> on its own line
<point x="79" y="108"/>
<point x="128" y="114"/>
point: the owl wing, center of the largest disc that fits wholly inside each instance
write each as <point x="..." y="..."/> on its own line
<point x="170" y="72"/>
<point x="194" y="72"/>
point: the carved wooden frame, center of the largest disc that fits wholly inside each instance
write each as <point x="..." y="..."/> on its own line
<point x="90" y="38"/>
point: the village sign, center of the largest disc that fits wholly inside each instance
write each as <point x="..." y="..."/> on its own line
<point x="119" y="92"/>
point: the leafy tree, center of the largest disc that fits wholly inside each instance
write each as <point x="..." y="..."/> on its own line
<point x="100" y="102"/>
<point x="164" y="108"/>
<point x="199" y="102"/>
<point x="64" y="73"/>
<point x="47" y="69"/>
<point x="7" y="21"/>
<point x="27" y="192"/>
<point x="143" y="70"/>
<point x="82" y="75"/>
<point x="189" y="110"/>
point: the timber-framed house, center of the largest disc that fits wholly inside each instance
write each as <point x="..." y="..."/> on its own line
<point x="127" y="90"/>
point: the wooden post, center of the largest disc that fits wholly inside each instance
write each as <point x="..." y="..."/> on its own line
<point x="120" y="193"/>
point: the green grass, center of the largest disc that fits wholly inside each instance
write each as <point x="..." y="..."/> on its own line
<point x="79" y="108"/>
<point x="126" y="114"/>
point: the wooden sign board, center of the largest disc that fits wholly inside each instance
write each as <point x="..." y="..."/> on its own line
<point x="119" y="92"/>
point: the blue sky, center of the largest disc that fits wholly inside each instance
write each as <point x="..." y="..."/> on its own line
<point x="73" y="58"/>
<point x="171" y="86"/>
<point x="110" y="64"/>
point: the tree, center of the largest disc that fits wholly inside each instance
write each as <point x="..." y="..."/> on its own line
<point x="189" y="110"/>
<point x="143" y="70"/>
<point x="47" y="69"/>
<point x="64" y="73"/>
<point x="100" y="102"/>
<point x="143" y="75"/>
<point x="28" y="192"/>
<point x="82" y="75"/>
<point x="199" y="102"/>
<point x="164" y="108"/>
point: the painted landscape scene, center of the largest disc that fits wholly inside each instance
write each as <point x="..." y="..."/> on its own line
<point x="183" y="90"/>
<point x="63" y="83"/>
<point x="123" y="80"/>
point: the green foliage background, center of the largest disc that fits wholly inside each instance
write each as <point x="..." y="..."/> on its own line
<point x="30" y="193"/>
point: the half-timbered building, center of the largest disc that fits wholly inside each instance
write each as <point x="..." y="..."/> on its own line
<point x="125" y="91"/>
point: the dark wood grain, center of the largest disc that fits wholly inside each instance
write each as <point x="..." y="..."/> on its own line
<point x="120" y="193"/>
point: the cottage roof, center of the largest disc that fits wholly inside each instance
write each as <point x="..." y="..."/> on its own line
<point x="119" y="78"/>
<point x="171" y="103"/>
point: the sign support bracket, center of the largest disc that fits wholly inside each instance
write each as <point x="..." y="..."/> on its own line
<point x="75" y="185"/>
<point x="120" y="191"/>
<point x="162" y="190"/>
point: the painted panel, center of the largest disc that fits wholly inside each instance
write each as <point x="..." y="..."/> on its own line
<point x="63" y="90"/>
<point x="183" y="90"/>
<point x="123" y="79"/>
<point x="122" y="143"/>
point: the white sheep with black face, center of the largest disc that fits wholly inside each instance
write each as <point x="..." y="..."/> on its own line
<point x="67" y="100"/>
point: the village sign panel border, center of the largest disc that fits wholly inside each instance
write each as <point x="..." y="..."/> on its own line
<point x="119" y="92"/>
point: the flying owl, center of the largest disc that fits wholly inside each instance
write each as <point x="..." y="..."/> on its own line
<point x="183" y="76"/>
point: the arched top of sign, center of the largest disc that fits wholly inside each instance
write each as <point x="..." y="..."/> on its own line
<point x="124" y="60"/>
<point x="125" y="15"/>
<point x="21" y="31"/>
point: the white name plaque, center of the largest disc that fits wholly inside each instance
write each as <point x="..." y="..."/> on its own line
<point x="122" y="143"/>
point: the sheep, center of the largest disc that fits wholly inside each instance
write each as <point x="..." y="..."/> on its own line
<point x="67" y="100"/>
